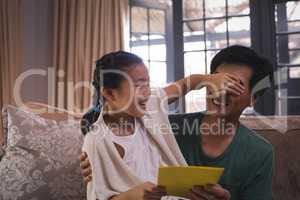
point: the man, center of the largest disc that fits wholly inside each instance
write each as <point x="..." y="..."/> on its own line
<point x="216" y="138"/>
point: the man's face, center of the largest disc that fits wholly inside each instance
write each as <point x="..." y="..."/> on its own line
<point x="233" y="104"/>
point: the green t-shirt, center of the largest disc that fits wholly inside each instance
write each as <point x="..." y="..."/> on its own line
<point x="248" y="161"/>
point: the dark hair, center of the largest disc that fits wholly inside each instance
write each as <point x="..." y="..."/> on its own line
<point x="119" y="60"/>
<point x="243" y="55"/>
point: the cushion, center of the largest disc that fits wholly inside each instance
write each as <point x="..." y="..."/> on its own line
<point x="41" y="158"/>
<point x="40" y="109"/>
<point x="3" y="131"/>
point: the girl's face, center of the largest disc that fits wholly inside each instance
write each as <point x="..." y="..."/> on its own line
<point x="133" y="93"/>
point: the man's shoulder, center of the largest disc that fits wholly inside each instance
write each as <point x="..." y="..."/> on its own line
<point x="255" y="143"/>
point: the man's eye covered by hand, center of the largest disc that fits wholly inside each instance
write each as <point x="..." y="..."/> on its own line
<point x="85" y="166"/>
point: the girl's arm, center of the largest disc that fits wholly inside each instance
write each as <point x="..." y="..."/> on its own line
<point x="216" y="82"/>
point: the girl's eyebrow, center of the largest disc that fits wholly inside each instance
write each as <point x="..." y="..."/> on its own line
<point x="142" y="79"/>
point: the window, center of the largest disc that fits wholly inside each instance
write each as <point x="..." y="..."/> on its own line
<point x="197" y="29"/>
<point x="287" y="17"/>
<point x="148" y="37"/>
<point x="209" y="26"/>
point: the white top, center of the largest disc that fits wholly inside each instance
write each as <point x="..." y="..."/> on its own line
<point x="141" y="155"/>
<point x="111" y="175"/>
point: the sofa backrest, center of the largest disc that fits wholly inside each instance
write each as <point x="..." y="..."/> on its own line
<point x="284" y="134"/>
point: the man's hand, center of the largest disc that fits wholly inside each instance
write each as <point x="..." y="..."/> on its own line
<point x="85" y="166"/>
<point x="211" y="192"/>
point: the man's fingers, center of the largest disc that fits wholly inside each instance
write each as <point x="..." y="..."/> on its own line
<point x="87" y="179"/>
<point x="218" y="191"/>
<point x="85" y="164"/>
<point x="86" y="172"/>
<point x="202" y="193"/>
<point x="193" y="196"/>
<point x="82" y="156"/>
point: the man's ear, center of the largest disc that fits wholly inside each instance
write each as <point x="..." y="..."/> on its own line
<point x="107" y="94"/>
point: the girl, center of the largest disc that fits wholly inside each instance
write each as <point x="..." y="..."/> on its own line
<point x="128" y="132"/>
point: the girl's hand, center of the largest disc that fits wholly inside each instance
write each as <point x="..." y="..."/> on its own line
<point x="138" y="192"/>
<point x="156" y="193"/>
<point x="221" y="83"/>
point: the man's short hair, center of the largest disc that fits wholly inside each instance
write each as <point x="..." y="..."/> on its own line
<point x="241" y="55"/>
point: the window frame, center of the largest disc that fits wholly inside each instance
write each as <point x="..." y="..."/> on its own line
<point x="263" y="41"/>
<point x="174" y="44"/>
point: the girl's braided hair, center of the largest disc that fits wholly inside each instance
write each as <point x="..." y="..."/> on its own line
<point x="119" y="60"/>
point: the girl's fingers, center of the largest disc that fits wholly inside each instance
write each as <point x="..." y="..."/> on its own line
<point x="153" y="192"/>
<point x="153" y="195"/>
<point x="237" y="85"/>
<point x="234" y="78"/>
<point x="232" y="91"/>
<point x="237" y="82"/>
<point x="232" y="87"/>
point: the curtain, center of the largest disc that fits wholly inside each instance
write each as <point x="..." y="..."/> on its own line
<point x="84" y="30"/>
<point x="10" y="51"/>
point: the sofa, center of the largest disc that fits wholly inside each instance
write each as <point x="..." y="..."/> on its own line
<point x="42" y="162"/>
